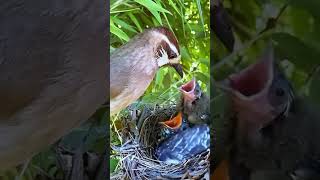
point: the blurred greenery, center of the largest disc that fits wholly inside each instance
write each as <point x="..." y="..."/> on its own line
<point x="292" y="26"/>
<point x="189" y="20"/>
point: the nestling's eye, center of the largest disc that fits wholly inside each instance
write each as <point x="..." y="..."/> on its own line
<point x="280" y="92"/>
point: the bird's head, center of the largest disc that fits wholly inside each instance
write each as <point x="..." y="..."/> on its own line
<point x="259" y="93"/>
<point x="195" y="103"/>
<point x="190" y="91"/>
<point x="167" y="51"/>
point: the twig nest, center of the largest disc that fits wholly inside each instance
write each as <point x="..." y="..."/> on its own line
<point x="137" y="152"/>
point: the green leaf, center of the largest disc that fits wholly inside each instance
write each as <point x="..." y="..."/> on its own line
<point x="156" y="14"/>
<point x="300" y="21"/>
<point x="185" y="54"/>
<point x="174" y="6"/>
<point x="125" y="10"/>
<point x="296" y="51"/>
<point x="204" y="61"/>
<point x="135" y="21"/>
<point x="202" y="77"/>
<point x="113" y="164"/>
<point x="123" y="24"/>
<point x="200" y="14"/>
<point x="311" y="6"/>
<point x="159" y="77"/>
<point x="246" y="11"/>
<point x="152" y="6"/>
<point x="168" y="22"/>
<point x="118" y="32"/>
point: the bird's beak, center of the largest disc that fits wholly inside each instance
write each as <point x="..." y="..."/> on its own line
<point x="173" y="123"/>
<point x="249" y="90"/>
<point x="188" y="89"/>
<point x="253" y="81"/>
<point x="175" y="63"/>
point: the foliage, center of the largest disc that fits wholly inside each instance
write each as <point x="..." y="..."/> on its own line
<point x="292" y="26"/>
<point x="188" y="19"/>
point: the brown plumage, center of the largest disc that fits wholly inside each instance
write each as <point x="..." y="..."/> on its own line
<point x="134" y="65"/>
<point x="52" y="72"/>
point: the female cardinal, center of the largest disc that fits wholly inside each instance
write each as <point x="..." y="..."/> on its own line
<point x="275" y="131"/>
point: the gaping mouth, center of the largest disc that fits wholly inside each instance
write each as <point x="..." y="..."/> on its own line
<point x="188" y="89"/>
<point x="253" y="79"/>
<point x="173" y="123"/>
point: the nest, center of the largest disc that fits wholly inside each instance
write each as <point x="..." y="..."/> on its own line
<point x="140" y="137"/>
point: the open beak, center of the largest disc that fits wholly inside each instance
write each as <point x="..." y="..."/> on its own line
<point x="175" y="63"/>
<point x="173" y="123"/>
<point x="188" y="89"/>
<point x="249" y="92"/>
<point x="252" y="82"/>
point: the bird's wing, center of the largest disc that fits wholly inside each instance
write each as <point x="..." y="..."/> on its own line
<point x="119" y="73"/>
<point x="37" y="46"/>
<point x="29" y="58"/>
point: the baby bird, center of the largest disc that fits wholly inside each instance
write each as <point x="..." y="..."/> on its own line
<point x="190" y="139"/>
<point x="276" y="133"/>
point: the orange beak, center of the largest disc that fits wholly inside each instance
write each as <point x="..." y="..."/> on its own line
<point x="173" y="123"/>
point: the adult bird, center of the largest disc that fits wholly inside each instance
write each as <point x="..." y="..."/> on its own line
<point x="275" y="131"/>
<point x="52" y="72"/>
<point x="134" y="65"/>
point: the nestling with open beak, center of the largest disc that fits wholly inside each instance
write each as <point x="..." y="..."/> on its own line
<point x="189" y="138"/>
<point x="275" y="132"/>
<point x="193" y="109"/>
<point x="195" y="103"/>
<point x="134" y="65"/>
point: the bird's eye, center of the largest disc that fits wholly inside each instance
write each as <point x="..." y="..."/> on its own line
<point x="280" y="92"/>
<point x="172" y="55"/>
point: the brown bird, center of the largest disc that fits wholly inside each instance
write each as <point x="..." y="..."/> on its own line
<point x="134" y="65"/>
<point x="52" y="72"/>
<point x="276" y="133"/>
